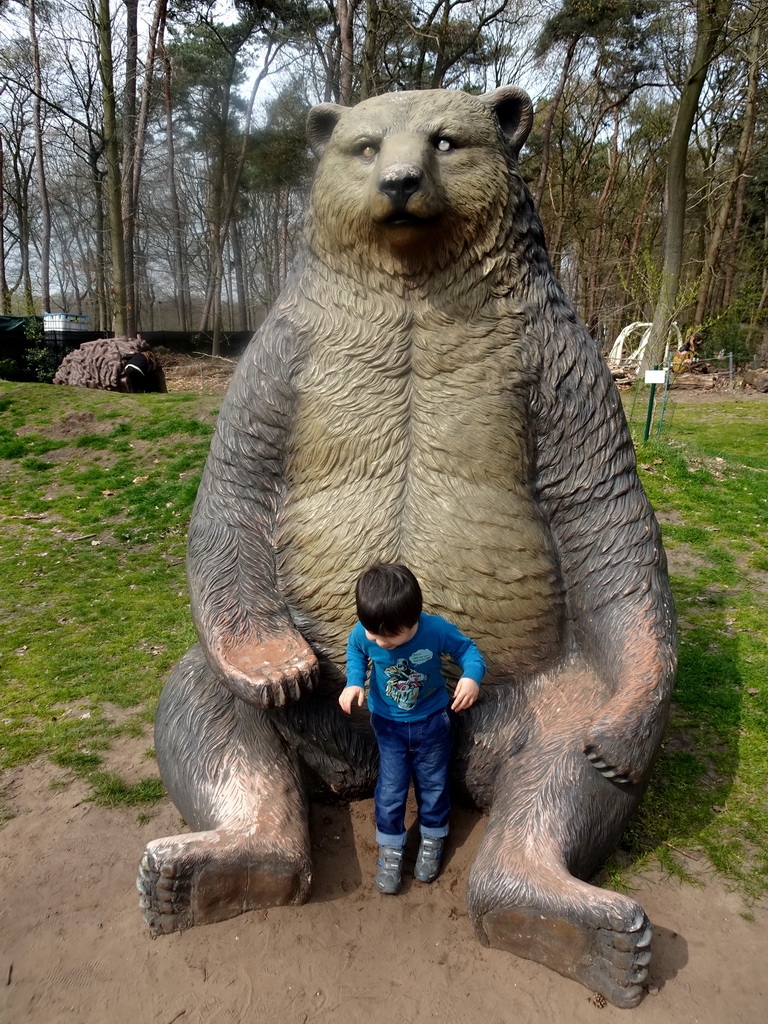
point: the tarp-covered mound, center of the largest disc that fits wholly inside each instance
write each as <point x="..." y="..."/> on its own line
<point x="113" y="364"/>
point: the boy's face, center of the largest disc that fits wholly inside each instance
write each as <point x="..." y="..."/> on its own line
<point x="396" y="640"/>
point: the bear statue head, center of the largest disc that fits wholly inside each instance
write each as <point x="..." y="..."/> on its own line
<point x="416" y="181"/>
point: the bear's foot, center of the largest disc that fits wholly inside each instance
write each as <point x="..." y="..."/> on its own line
<point x="605" y="945"/>
<point x="212" y="876"/>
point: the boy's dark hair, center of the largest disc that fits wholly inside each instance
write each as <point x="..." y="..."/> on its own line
<point x="388" y="599"/>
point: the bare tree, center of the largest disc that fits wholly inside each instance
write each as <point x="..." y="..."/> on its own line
<point x="180" y="271"/>
<point x="102" y="22"/>
<point x="345" y="13"/>
<point x="737" y="172"/>
<point x="128" y="208"/>
<point x="45" y="206"/>
<point x="711" y="18"/>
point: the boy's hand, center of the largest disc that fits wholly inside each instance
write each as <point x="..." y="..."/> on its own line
<point x="465" y="694"/>
<point x="348" y="696"/>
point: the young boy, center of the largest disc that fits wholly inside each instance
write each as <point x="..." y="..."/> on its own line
<point x="409" y="701"/>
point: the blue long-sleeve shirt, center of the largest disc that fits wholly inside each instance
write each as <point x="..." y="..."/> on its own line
<point x="406" y="682"/>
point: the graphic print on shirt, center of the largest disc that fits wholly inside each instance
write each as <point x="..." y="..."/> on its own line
<point x="404" y="683"/>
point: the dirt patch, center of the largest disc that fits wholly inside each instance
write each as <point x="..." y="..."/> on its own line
<point x="81" y="457"/>
<point x="196" y="373"/>
<point x="73" y="425"/>
<point x="670" y="517"/>
<point x="683" y="560"/>
<point x="76" y="950"/>
<point x="131" y="760"/>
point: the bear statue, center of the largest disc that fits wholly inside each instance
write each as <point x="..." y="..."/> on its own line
<point x="423" y="392"/>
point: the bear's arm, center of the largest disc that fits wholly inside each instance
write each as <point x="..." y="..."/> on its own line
<point x="244" y="626"/>
<point x="613" y="565"/>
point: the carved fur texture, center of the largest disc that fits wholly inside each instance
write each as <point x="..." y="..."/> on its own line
<point x="424" y="392"/>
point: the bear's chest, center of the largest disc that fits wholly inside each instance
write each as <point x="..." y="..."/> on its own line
<point x="411" y="443"/>
<point x="390" y="396"/>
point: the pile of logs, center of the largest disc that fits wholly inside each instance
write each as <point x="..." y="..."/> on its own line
<point x="757" y="379"/>
<point x="102" y="364"/>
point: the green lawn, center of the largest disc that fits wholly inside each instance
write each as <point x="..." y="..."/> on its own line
<point x="95" y="495"/>
<point x="708" y="481"/>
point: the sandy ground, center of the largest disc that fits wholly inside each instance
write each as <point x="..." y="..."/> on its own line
<point x="74" y="948"/>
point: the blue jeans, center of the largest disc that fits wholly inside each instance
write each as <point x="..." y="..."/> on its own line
<point x="412" y="750"/>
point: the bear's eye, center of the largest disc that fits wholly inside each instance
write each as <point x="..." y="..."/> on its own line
<point x="444" y="145"/>
<point x="368" y="151"/>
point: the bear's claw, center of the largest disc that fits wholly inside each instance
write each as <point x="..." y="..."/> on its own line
<point x="165" y="900"/>
<point x="606" y="770"/>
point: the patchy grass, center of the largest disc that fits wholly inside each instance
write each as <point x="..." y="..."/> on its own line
<point x="95" y="495"/>
<point x="708" y="481"/>
<point x="110" y="790"/>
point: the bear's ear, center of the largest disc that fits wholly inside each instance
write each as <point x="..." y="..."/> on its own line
<point x="514" y="111"/>
<point x="321" y="121"/>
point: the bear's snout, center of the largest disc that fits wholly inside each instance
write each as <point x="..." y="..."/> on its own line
<point x="398" y="183"/>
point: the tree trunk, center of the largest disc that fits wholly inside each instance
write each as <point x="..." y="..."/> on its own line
<point x="114" y="179"/>
<point x="546" y="134"/>
<point x="45" y="208"/>
<point x="711" y="16"/>
<point x="156" y="29"/>
<point x="5" y="294"/>
<point x="21" y="176"/>
<point x="345" y="13"/>
<point x="241" y="284"/>
<point x="440" y="67"/>
<point x="180" y="274"/>
<point x="285" y="212"/>
<point x="215" y="205"/>
<point x="735" y="244"/>
<point x="328" y="57"/>
<point x="134" y="136"/>
<point x="642" y="216"/>
<point x="555" y="245"/>
<point x="228" y="185"/>
<point x="211" y="315"/>
<point x="593" y="277"/>
<point x="100" y="270"/>
<point x="426" y="37"/>
<point x="368" y="78"/>
<point x="129" y="161"/>
<point x="740" y="162"/>
<point x="764" y="297"/>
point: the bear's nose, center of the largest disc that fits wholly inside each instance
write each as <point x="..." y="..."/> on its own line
<point x="399" y="182"/>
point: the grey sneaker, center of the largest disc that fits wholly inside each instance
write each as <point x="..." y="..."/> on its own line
<point x="390" y="871"/>
<point x="429" y="859"/>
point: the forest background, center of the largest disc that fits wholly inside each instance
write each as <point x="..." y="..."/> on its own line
<point x="154" y="169"/>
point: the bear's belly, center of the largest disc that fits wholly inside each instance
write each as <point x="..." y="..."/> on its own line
<point x="415" y="449"/>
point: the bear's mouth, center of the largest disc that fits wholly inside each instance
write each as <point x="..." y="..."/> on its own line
<point x="406" y="220"/>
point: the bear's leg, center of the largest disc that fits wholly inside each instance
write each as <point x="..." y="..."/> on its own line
<point x="235" y="782"/>
<point x="554" y="814"/>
